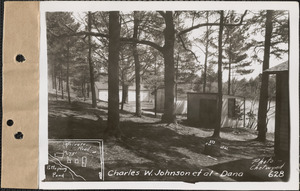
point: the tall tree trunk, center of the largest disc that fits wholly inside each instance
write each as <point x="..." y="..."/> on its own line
<point x="87" y="90"/>
<point x="176" y="77"/>
<point x="205" y="67"/>
<point x="155" y="102"/>
<point x="83" y="89"/>
<point x="92" y="80"/>
<point x="138" y="109"/>
<point x="168" y="54"/>
<point x="206" y="55"/>
<point x="59" y="79"/>
<point x="68" y="73"/>
<point x="155" y="90"/>
<point x="263" y="97"/>
<point x="113" y="128"/>
<point x="124" y="94"/>
<point x="229" y="68"/>
<point x="220" y="96"/>
<point x="62" y="83"/>
<point x="229" y="77"/>
<point x="53" y="76"/>
<point x="55" y="88"/>
<point x="55" y="84"/>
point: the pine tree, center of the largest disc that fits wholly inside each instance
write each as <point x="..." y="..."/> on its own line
<point x="235" y="50"/>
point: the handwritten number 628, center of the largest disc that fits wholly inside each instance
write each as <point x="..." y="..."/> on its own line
<point x="276" y="174"/>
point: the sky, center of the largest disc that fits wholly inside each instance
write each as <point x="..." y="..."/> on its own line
<point x="257" y="67"/>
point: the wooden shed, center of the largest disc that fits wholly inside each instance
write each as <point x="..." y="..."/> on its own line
<point x="102" y="92"/>
<point x="282" y="110"/>
<point x="202" y="110"/>
<point x="180" y="102"/>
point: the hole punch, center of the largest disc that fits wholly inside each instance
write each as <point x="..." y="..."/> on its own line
<point x="19" y="135"/>
<point x="20" y="58"/>
<point x="10" y="122"/>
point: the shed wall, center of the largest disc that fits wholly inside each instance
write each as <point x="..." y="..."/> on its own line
<point x="180" y="105"/>
<point x="194" y="104"/>
<point x="282" y="124"/>
<point x="103" y="95"/>
<point x="145" y="95"/>
<point x="160" y="100"/>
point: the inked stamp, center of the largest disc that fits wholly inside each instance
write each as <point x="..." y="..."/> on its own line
<point x="75" y="160"/>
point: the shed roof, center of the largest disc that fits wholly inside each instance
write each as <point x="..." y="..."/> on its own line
<point x="283" y="67"/>
<point x="216" y="94"/>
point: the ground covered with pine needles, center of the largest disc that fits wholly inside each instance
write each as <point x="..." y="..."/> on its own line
<point x="166" y="151"/>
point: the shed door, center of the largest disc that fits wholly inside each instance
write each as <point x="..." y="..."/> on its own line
<point x="208" y="113"/>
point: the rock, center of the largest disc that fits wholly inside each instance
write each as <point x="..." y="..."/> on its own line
<point x="212" y="147"/>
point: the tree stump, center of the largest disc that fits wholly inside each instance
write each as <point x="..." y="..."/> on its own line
<point x="212" y="147"/>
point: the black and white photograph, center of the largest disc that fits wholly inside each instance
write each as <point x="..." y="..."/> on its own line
<point x="168" y="95"/>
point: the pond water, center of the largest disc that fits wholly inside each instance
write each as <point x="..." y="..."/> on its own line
<point x="271" y="114"/>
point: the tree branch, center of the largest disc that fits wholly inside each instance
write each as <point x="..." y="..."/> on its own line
<point x="145" y="42"/>
<point x="197" y="26"/>
<point x="63" y="24"/>
<point x="195" y="44"/>
<point x="211" y="24"/>
<point x="101" y="55"/>
<point x="80" y="34"/>
<point x="239" y="23"/>
<point x="182" y="42"/>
